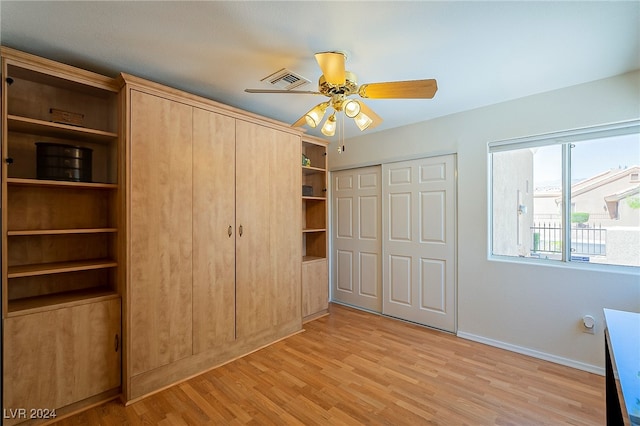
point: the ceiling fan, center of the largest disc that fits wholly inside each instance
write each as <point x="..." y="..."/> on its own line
<point x="338" y="84"/>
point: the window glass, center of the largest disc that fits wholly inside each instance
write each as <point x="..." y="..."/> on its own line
<point x="601" y="220"/>
<point x="605" y="201"/>
<point x="527" y="196"/>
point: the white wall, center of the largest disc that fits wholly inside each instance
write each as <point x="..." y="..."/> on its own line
<point x="531" y="308"/>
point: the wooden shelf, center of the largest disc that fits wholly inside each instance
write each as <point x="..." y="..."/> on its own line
<point x="61" y="183"/>
<point x="35" y="304"/>
<point x="314" y="198"/>
<point x="308" y="170"/>
<point x="314" y="230"/>
<point x="28" y="232"/>
<point x="49" y="129"/>
<point x="59" y="267"/>
<point x="307" y="259"/>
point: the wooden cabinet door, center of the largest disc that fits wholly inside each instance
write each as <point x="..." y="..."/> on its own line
<point x="285" y="218"/>
<point x="268" y="209"/>
<point x="315" y="288"/>
<point x="160" y="231"/>
<point x="61" y="356"/>
<point x="254" y="311"/>
<point x="214" y="230"/>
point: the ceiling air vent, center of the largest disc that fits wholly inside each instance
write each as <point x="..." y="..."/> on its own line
<point x="285" y="79"/>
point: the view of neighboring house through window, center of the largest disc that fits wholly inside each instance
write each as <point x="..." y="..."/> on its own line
<point x="572" y="196"/>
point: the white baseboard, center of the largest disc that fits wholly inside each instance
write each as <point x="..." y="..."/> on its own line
<point x="533" y="353"/>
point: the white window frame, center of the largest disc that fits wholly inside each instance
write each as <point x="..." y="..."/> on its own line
<point x="565" y="138"/>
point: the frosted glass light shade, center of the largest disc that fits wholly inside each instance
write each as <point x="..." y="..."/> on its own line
<point x="351" y="108"/>
<point x="314" y="116"/>
<point x="329" y="128"/>
<point x="362" y="121"/>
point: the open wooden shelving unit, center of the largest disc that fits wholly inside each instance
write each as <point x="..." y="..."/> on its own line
<point x="60" y="238"/>
<point x="315" y="284"/>
<point x="45" y="219"/>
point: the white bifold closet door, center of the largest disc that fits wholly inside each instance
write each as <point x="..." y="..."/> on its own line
<point x="419" y="241"/>
<point x="357" y="237"/>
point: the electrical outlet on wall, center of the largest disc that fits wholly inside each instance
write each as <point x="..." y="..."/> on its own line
<point x="589" y="324"/>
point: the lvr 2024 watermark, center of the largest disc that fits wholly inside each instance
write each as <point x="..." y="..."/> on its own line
<point x="28" y="414"/>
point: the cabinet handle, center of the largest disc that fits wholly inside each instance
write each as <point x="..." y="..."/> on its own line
<point x="240" y="230"/>
<point x="230" y="231"/>
<point x="117" y="343"/>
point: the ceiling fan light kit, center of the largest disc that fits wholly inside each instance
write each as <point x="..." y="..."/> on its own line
<point x="351" y="108"/>
<point x="329" y="128"/>
<point x="363" y="121"/>
<point x="314" y="116"/>
<point x="338" y="84"/>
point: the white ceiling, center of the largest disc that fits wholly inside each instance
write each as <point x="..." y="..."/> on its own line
<point x="480" y="52"/>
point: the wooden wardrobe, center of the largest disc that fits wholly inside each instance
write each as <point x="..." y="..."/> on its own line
<point x="179" y="252"/>
<point x="212" y="234"/>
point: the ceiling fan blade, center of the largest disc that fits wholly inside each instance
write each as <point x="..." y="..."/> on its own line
<point x="332" y="66"/>
<point x="298" y="92"/>
<point x="375" y="118"/>
<point x="414" y="89"/>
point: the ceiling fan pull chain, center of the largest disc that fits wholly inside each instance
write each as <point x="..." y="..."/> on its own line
<point x="342" y="135"/>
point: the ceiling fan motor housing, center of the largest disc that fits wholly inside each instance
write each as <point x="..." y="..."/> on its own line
<point x="349" y="87"/>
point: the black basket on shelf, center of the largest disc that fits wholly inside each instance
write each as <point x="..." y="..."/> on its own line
<point x="57" y="161"/>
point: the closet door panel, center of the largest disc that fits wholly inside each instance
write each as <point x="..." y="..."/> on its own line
<point x="419" y="241"/>
<point x="160" y="232"/>
<point x="357" y="237"/>
<point x="285" y="216"/>
<point x="214" y="230"/>
<point x="254" y="310"/>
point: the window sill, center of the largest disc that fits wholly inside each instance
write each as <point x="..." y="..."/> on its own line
<point x="582" y="266"/>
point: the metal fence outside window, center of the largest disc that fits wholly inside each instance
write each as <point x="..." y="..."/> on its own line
<point x="585" y="239"/>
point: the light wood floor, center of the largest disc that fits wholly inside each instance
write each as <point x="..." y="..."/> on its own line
<point x="354" y="368"/>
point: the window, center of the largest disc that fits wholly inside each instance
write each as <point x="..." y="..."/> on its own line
<point x="568" y="197"/>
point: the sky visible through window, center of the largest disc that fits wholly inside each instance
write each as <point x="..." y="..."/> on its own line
<point x="588" y="159"/>
<point x="603" y="210"/>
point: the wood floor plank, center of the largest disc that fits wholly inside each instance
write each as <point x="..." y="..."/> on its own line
<point x="354" y="367"/>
